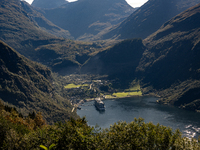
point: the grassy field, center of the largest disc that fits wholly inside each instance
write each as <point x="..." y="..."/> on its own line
<point x="125" y="94"/>
<point x="132" y="91"/>
<point x="109" y="97"/>
<point x="72" y="86"/>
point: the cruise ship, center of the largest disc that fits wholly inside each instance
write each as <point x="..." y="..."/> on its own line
<point x="99" y="104"/>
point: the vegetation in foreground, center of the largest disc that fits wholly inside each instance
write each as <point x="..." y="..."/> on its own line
<point x="31" y="132"/>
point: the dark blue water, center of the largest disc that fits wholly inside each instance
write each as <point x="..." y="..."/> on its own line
<point x="146" y="107"/>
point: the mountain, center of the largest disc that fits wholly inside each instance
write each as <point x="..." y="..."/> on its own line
<point x="86" y="18"/>
<point x="26" y="30"/>
<point x="66" y="56"/>
<point x="118" y="62"/>
<point x="166" y="63"/>
<point x="170" y="66"/>
<point x="40" y="21"/>
<point x="27" y="85"/>
<point x="147" y="19"/>
<point x="48" y="3"/>
<point x="22" y="28"/>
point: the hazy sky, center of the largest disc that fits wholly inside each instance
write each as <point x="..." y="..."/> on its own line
<point x="133" y="3"/>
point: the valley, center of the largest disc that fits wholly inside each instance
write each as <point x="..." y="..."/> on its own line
<point x="56" y="56"/>
<point x="79" y="88"/>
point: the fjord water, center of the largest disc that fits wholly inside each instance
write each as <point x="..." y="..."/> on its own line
<point x="145" y="107"/>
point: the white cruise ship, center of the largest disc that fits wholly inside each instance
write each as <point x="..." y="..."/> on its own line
<point x="99" y="104"/>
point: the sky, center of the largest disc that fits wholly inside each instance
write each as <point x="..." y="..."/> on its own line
<point x="133" y="3"/>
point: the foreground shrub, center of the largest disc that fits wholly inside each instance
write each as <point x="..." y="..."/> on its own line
<point x="76" y="134"/>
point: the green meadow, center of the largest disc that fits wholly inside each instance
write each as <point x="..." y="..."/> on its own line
<point x="73" y="86"/>
<point x="125" y="94"/>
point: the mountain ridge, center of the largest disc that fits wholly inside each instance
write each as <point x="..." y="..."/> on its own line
<point x="147" y="19"/>
<point x="48" y="3"/>
<point x="41" y="22"/>
<point x="85" y="18"/>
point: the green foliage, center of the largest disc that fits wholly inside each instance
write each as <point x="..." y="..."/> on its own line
<point x="125" y="94"/>
<point x="71" y="86"/>
<point x="139" y="135"/>
<point x="50" y="147"/>
<point x="76" y="134"/>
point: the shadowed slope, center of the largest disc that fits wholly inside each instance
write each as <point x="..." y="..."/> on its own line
<point x="148" y="18"/>
<point x="27" y="85"/>
<point x="86" y="18"/>
<point x="171" y="64"/>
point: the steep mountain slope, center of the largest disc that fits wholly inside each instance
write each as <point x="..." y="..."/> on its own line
<point x="171" y="63"/>
<point x="148" y="18"/>
<point x="48" y="3"/>
<point x="66" y="56"/>
<point x="27" y="85"/>
<point x="18" y="28"/>
<point x="118" y="62"/>
<point x="40" y="21"/>
<point x="22" y="28"/>
<point x="85" y="18"/>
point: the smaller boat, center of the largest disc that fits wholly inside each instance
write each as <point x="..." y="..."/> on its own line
<point x="99" y="104"/>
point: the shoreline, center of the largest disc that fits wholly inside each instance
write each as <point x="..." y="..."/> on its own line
<point x="77" y="106"/>
<point x="106" y="98"/>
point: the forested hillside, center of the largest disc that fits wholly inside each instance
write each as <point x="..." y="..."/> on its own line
<point x="18" y="29"/>
<point x="31" y="34"/>
<point x="118" y="62"/>
<point x="170" y="65"/>
<point x="41" y="22"/>
<point x="27" y="85"/>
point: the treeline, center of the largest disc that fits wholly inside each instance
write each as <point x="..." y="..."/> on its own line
<point x="31" y="132"/>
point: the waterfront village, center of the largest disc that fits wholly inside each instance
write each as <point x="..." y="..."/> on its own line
<point x="81" y="88"/>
